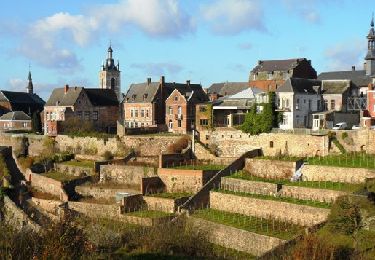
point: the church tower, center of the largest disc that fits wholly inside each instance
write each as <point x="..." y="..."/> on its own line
<point x="370" y="57"/>
<point x="30" y="86"/>
<point x="109" y="75"/>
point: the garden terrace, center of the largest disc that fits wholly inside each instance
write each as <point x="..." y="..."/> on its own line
<point x="348" y="160"/>
<point x="170" y="195"/>
<point x="59" y="176"/>
<point x="201" y="167"/>
<point x="310" y="203"/>
<point x="339" y="186"/>
<point x="263" y="226"/>
<point x="85" y="164"/>
<point x="149" y="214"/>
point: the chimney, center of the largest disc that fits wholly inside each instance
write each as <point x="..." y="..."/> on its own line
<point x="353" y="68"/>
<point x="188" y="83"/>
<point x="162" y="80"/>
<point x="66" y="88"/>
<point x="148" y="81"/>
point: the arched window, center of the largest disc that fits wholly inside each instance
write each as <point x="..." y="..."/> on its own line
<point x="113" y="83"/>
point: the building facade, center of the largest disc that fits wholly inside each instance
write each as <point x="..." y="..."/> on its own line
<point x="98" y="107"/>
<point x="269" y="75"/>
<point x="16" y="120"/>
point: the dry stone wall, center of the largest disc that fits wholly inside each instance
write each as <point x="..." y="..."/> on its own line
<point x="98" y="192"/>
<point x="95" y="210"/>
<point x="76" y="171"/>
<point x="252" y="187"/>
<point x="273" y="169"/>
<point x="298" y="214"/>
<point x="125" y="174"/>
<point x="234" y="143"/>
<point x="336" y="174"/>
<point x="304" y="193"/>
<point x="86" y="145"/>
<point x="163" y="204"/>
<point x="235" y="238"/>
<point x="178" y="180"/>
<point x="149" y="145"/>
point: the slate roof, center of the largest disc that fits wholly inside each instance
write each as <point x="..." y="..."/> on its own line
<point x="277" y="65"/>
<point x="358" y="77"/>
<point x="248" y="93"/>
<point x="97" y="97"/>
<point x="146" y="92"/>
<point x="335" y="86"/>
<point x="15" y="115"/>
<point x="22" y="101"/>
<point x="228" y="88"/>
<point x="299" y="85"/>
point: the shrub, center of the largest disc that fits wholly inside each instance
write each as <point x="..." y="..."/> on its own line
<point x="25" y="162"/>
<point x="108" y="155"/>
<point x="344" y="135"/>
<point x="179" y="145"/>
<point x="345" y="216"/>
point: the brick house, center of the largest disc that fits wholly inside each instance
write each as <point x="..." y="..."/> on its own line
<point x="144" y="103"/>
<point x="336" y="94"/>
<point x="269" y="75"/>
<point x="180" y="105"/>
<point x="16" y="120"/>
<point x="97" y="106"/>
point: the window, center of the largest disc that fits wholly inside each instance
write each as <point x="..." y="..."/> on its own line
<point x="202" y="109"/>
<point x="170" y="125"/>
<point x="325" y="104"/>
<point x="333" y="104"/>
<point x="176" y="98"/>
<point x="136" y="112"/>
<point x="87" y="115"/>
<point x="259" y="109"/>
<point x="297" y="104"/>
<point x="170" y="110"/>
<point x="142" y="113"/>
<point x="24" y="124"/>
<point x="318" y="105"/>
<point x="269" y="75"/>
<point x="287" y="103"/>
<point x="95" y="115"/>
<point x="113" y="83"/>
<point x="147" y="113"/>
<point x="309" y="104"/>
<point x="179" y="110"/>
<point x="271" y="144"/>
<point x="132" y="112"/>
<point x="79" y="114"/>
<point x="203" y="122"/>
<point x="179" y="123"/>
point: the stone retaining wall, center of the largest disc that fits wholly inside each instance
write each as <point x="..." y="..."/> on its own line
<point x="16" y="217"/>
<point x="304" y="193"/>
<point x="253" y="187"/>
<point x="336" y="174"/>
<point x="125" y="174"/>
<point x="294" y="213"/>
<point x="76" y="171"/>
<point x="51" y="206"/>
<point x="238" y="239"/>
<point x="163" y="204"/>
<point x="93" y="210"/>
<point x="272" y="169"/>
<point x="179" y="180"/>
<point x="98" y="192"/>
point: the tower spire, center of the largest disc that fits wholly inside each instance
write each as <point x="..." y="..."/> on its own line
<point x="30" y="87"/>
<point x="372" y="20"/>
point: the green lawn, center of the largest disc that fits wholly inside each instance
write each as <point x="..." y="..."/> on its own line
<point x="262" y="226"/>
<point x="354" y="160"/>
<point x="310" y="203"/>
<point x="85" y="164"/>
<point x="168" y="195"/>
<point x="149" y="214"/>
<point x="347" y="187"/>
<point x="201" y="167"/>
<point x="58" y="176"/>
<point x="280" y="158"/>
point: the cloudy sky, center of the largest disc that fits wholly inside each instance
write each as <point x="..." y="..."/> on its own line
<point x="205" y="41"/>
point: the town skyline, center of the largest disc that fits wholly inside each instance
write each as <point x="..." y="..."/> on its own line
<point x="212" y="42"/>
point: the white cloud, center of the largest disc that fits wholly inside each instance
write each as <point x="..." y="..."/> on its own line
<point x="234" y="16"/>
<point x="343" y="56"/>
<point x="306" y="9"/>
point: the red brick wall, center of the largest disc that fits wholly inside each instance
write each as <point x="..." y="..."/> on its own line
<point x="171" y="102"/>
<point x="15" y="125"/>
<point x="371" y="102"/>
<point x="266" y="85"/>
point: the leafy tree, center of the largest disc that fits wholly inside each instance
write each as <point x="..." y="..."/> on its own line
<point x="36" y="123"/>
<point x="257" y="122"/>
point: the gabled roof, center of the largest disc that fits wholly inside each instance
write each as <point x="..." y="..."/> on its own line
<point x="60" y="98"/>
<point x="277" y="65"/>
<point x="15" y="115"/>
<point x="299" y="85"/>
<point x="335" y="86"/>
<point x="228" y="88"/>
<point x="142" y="92"/>
<point x="358" y="77"/>
<point x="192" y="92"/>
<point x="20" y="97"/>
<point x="248" y="93"/>
<point x="97" y="97"/>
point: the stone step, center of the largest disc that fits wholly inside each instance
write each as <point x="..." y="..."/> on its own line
<point x="282" y="211"/>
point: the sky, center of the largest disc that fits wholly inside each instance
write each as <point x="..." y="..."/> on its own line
<point x="205" y="41"/>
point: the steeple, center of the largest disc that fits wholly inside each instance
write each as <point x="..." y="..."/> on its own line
<point x="370" y="57"/>
<point x="110" y="75"/>
<point x="30" y="87"/>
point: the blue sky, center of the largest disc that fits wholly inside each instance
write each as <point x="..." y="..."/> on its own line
<point x="205" y="41"/>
